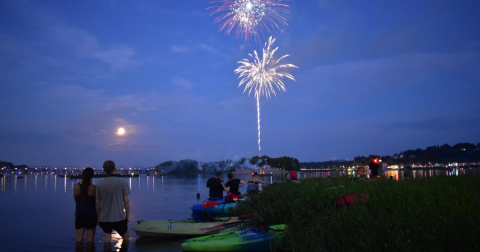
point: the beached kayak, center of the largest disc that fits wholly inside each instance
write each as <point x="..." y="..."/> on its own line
<point x="250" y="239"/>
<point x="186" y="228"/>
<point x="213" y="208"/>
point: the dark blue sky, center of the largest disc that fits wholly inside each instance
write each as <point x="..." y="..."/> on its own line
<point x="374" y="77"/>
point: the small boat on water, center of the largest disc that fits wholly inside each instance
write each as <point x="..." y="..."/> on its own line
<point x="250" y="239"/>
<point x="186" y="228"/>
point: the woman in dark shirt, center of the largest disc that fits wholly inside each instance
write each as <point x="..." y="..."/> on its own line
<point x="85" y="211"/>
<point x="233" y="185"/>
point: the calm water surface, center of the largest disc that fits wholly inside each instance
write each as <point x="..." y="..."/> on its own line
<point x="37" y="211"/>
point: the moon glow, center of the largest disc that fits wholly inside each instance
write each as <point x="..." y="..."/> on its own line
<point x="121" y="131"/>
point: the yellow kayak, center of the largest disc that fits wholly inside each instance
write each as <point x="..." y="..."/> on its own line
<point x="187" y="228"/>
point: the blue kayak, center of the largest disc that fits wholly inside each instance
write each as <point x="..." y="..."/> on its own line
<point x="213" y="208"/>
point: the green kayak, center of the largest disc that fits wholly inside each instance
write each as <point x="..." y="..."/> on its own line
<point x="250" y="239"/>
<point x="186" y="228"/>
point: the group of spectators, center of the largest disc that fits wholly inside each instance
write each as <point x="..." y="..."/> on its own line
<point x="217" y="186"/>
<point x="108" y="206"/>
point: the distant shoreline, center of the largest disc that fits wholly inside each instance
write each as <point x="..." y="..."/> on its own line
<point x="249" y="171"/>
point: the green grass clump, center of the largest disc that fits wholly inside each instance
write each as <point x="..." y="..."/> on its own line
<point x="432" y="214"/>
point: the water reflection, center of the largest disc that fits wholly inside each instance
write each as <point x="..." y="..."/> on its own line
<point x="399" y="175"/>
<point x="120" y="244"/>
<point x="154" y="245"/>
<point x="321" y="174"/>
<point x="80" y="247"/>
<point x="394" y="174"/>
<point x="198" y="183"/>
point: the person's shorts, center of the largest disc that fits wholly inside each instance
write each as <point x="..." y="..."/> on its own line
<point x="120" y="226"/>
<point x="86" y="221"/>
<point x="253" y="189"/>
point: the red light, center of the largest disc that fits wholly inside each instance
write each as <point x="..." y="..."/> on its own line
<point x="375" y="160"/>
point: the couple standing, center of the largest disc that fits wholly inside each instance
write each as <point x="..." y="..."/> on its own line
<point x="106" y="204"/>
<point x="217" y="186"/>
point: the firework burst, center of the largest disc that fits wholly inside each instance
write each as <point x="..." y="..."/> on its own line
<point x="250" y="17"/>
<point x="262" y="75"/>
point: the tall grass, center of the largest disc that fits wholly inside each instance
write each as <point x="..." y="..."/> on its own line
<point x="433" y="214"/>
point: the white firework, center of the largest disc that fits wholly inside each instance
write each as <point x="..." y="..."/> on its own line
<point x="262" y="75"/>
<point x="249" y="17"/>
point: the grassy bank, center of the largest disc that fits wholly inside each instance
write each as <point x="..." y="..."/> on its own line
<point x="433" y="214"/>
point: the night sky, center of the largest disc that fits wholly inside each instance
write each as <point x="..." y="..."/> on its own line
<point x="374" y="77"/>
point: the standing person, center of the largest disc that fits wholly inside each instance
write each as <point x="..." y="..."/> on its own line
<point x="292" y="175"/>
<point x="253" y="182"/>
<point x="234" y="185"/>
<point x="85" y="212"/>
<point x="113" y="205"/>
<point x="216" y="186"/>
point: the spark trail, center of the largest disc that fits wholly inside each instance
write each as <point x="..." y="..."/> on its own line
<point x="262" y="75"/>
<point x="249" y="17"/>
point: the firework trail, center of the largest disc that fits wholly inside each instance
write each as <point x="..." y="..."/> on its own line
<point x="250" y="17"/>
<point x="262" y="75"/>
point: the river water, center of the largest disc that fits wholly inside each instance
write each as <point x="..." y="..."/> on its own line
<point x="37" y="211"/>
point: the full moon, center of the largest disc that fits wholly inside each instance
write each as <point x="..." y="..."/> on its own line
<point x="121" y="131"/>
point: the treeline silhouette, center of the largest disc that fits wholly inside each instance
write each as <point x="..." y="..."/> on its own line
<point x="444" y="154"/>
<point x="10" y="165"/>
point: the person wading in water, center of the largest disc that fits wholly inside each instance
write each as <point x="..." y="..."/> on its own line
<point x="253" y="182"/>
<point x="85" y="212"/>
